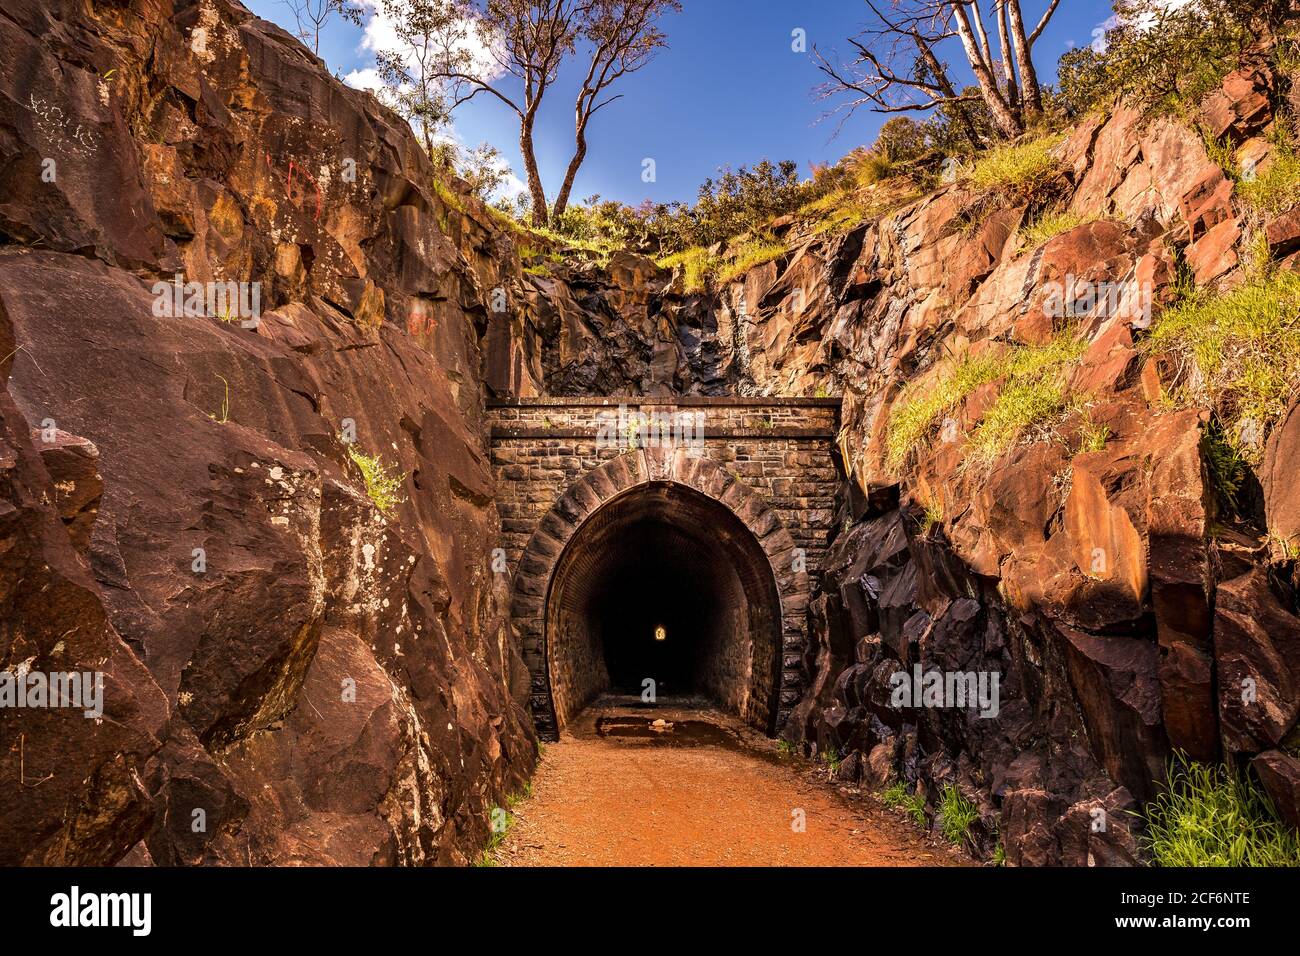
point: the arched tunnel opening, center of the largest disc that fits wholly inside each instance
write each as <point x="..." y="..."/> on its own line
<point x="665" y="584"/>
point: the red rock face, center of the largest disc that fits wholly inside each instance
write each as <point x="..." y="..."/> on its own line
<point x="1100" y="580"/>
<point x="290" y="675"/>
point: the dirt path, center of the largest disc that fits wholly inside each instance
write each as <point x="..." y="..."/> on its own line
<point x="710" y="792"/>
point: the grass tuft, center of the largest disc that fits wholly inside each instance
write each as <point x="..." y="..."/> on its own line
<point x="697" y="266"/>
<point x="957" y="814"/>
<point x="1277" y="188"/>
<point x="1051" y="224"/>
<point x="1238" y="352"/>
<point x="1022" y="169"/>
<point x="1032" y="392"/>
<point x="1210" y="815"/>
<point x="897" y="797"/>
<point x="750" y="254"/>
<point x="1092" y="436"/>
<point x="832" y="759"/>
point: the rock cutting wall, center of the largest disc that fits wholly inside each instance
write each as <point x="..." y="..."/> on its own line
<point x="1127" y="615"/>
<point x="290" y="675"/>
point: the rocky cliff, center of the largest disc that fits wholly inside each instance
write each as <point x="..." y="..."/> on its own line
<point x="291" y="675"/>
<point x="1090" y="561"/>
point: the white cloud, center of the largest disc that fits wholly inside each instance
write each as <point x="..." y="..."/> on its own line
<point x="379" y="35"/>
<point x="365" y="79"/>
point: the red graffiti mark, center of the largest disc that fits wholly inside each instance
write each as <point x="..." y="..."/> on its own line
<point x="417" y="323"/>
<point x="305" y="177"/>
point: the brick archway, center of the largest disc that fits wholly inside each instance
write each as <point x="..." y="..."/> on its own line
<point x="759" y="538"/>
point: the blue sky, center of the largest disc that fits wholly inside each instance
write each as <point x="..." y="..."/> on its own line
<point x="728" y="90"/>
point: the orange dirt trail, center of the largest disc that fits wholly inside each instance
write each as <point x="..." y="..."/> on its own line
<point x="710" y="792"/>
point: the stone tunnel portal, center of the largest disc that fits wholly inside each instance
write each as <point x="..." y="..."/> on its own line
<point x="607" y="540"/>
<point x="664" y="584"/>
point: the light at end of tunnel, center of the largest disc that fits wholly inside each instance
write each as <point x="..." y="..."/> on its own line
<point x="660" y="633"/>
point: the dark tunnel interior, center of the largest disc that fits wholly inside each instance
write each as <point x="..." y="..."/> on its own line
<point x="664" y="584"/>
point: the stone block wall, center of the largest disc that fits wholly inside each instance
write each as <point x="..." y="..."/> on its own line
<point x="780" y="449"/>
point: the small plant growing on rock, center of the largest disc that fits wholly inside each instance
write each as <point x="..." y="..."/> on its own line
<point x="1049" y="225"/>
<point x="831" y="756"/>
<point x="785" y="748"/>
<point x="1288" y="549"/>
<point x="1237" y="352"/>
<point x="957" y="814"/>
<point x="1032" y="392"/>
<point x="1215" y="816"/>
<point x="932" y="517"/>
<point x="697" y="267"/>
<point x="382" y="486"/>
<point x="896" y="797"/>
<point x="1226" y="467"/>
<point x="225" y="404"/>
<point x="999" y="855"/>
<point x="1275" y="188"/>
<point x="750" y="254"/>
<point x="1092" y="436"/>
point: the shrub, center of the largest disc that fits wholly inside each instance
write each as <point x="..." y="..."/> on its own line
<point x="1162" y="58"/>
<point x="744" y="201"/>
<point x="1238" y="353"/>
<point x="901" y="139"/>
<point x="1214" y="816"/>
<point x="382" y="486"/>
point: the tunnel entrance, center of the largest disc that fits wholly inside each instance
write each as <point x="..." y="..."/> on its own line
<point x="665" y="584"/>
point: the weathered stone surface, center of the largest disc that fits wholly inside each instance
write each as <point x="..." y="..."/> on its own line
<point x="1241" y="106"/>
<point x="1257" y="651"/>
<point x="1277" y="476"/>
<point x="329" y="685"/>
<point x="1280" y="774"/>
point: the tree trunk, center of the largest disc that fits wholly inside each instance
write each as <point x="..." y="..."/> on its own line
<point x="535" y="189"/>
<point x="945" y="86"/>
<point x="1004" y="41"/>
<point x="579" y="154"/>
<point x="1006" y="122"/>
<point x="1025" y="62"/>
